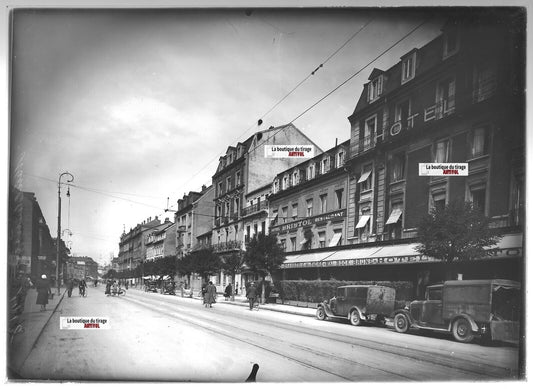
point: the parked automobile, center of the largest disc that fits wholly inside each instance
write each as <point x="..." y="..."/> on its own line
<point x="359" y="303"/>
<point x="466" y="308"/>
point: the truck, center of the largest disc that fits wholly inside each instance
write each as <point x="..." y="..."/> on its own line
<point x="359" y="303"/>
<point x="467" y="309"/>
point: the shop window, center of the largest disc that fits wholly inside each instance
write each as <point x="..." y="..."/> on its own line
<point x="263" y="227"/>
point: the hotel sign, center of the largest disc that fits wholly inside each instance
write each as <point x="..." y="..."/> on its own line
<point x="340" y="214"/>
<point x="362" y="262"/>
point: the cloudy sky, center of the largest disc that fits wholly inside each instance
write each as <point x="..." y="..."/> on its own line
<point x="138" y="105"/>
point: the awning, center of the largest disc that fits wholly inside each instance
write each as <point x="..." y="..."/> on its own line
<point x="306" y="260"/>
<point x="335" y="240"/>
<point x="362" y="221"/>
<point x="304" y="241"/>
<point x="394" y="216"/>
<point x="364" y="176"/>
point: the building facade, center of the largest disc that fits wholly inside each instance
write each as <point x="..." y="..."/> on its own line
<point x="132" y="245"/>
<point x="79" y="268"/>
<point x="458" y="99"/>
<point x="161" y="241"/>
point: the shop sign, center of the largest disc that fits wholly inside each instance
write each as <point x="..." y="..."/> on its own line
<point x="363" y="262"/>
<point x="310" y="221"/>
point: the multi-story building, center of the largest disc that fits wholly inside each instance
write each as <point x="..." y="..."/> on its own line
<point x="81" y="267"/>
<point x="193" y="219"/>
<point x="132" y="245"/>
<point x="161" y="241"/>
<point x="458" y="99"/>
<point x="32" y="250"/>
<point x="243" y="172"/>
<point x="308" y="202"/>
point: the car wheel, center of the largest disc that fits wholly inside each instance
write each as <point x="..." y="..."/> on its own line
<point x="355" y="319"/>
<point x="320" y="313"/>
<point x="401" y="323"/>
<point x="462" y="331"/>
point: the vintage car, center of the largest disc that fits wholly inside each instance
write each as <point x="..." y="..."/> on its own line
<point x="466" y="308"/>
<point x="359" y="303"/>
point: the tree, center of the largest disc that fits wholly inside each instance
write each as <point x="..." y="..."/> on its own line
<point x="233" y="264"/>
<point x="167" y="265"/>
<point x="264" y="255"/>
<point x="457" y="232"/>
<point x="184" y="267"/>
<point x="206" y="263"/>
<point x="110" y="274"/>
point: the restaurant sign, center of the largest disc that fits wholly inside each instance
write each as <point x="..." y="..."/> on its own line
<point x="340" y="214"/>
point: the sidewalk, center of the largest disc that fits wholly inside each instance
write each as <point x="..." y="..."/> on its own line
<point x="34" y="323"/>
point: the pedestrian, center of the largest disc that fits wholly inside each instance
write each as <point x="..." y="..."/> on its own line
<point x="204" y="294"/>
<point x="237" y="288"/>
<point x="70" y="286"/>
<point x="251" y="295"/>
<point x="82" y="286"/>
<point x="227" y="292"/>
<point x="108" y="287"/>
<point x="127" y="284"/>
<point x="211" y="294"/>
<point x="43" y="291"/>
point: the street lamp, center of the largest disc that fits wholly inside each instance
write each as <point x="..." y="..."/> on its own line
<point x="70" y="179"/>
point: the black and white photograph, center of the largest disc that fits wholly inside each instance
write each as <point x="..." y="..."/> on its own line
<point x="277" y="192"/>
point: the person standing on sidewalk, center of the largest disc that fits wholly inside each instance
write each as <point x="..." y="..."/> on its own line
<point x="43" y="291"/>
<point x="251" y="295"/>
<point x="70" y="286"/>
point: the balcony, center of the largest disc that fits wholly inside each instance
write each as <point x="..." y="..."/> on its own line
<point x="254" y="208"/>
<point x="368" y="142"/>
<point x="231" y="245"/>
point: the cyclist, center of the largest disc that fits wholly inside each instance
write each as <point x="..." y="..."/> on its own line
<point x="251" y="295"/>
<point x="82" y="287"/>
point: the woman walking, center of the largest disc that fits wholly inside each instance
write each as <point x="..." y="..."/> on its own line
<point x="43" y="291"/>
<point x="210" y="295"/>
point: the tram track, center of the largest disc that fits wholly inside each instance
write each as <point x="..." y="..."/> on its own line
<point x="403" y="354"/>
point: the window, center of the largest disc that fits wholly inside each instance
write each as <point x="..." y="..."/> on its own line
<point x="323" y="203"/>
<point x="283" y="244"/>
<point x="366" y="178"/>
<point x="394" y="221"/>
<point x="324" y="166"/>
<point x="238" y="178"/>
<point x="477" y="196"/>
<point x="236" y="205"/>
<point x="276" y="186"/>
<point x="284" y="211"/>
<point x="228" y="184"/>
<point x="274" y="217"/>
<point x="255" y="230"/>
<point x="363" y="224"/>
<point x="401" y="113"/>
<point x="219" y="188"/>
<point x="370" y="132"/>
<point x="479" y="142"/>
<point x="442" y="151"/>
<point x="339" y="193"/>
<point x="340" y="159"/>
<point x="263" y="227"/>
<point x="285" y="184"/>
<point x="293" y="243"/>
<point x="451" y="42"/>
<point x="375" y="88"/>
<point x="408" y="67"/>
<point x="248" y="233"/>
<point x="321" y="239"/>
<point x="485" y="82"/>
<point x="311" y="171"/>
<point x="445" y="98"/>
<point x="336" y="240"/>
<point x="309" y="211"/>
<point x="295" y="211"/>
<point x="226" y="208"/>
<point x="397" y="167"/>
<point x="295" y="177"/>
<point x="438" y="200"/>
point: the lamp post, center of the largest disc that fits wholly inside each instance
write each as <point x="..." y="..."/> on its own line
<point x="70" y="179"/>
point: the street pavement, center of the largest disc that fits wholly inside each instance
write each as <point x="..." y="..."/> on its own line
<point x="34" y="321"/>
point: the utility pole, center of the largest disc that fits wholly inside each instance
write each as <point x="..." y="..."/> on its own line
<point x="70" y="179"/>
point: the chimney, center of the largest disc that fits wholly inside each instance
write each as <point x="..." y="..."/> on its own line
<point x="204" y="188"/>
<point x="167" y="220"/>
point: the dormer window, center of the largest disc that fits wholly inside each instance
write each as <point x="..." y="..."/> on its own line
<point x="324" y="166"/>
<point x="285" y="183"/>
<point x="375" y="88"/>
<point x="408" y="67"/>
<point x="276" y="186"/>
<point x="340" y="159"/>
<point x="295" y="177"/>
<point x="451" y="42"/>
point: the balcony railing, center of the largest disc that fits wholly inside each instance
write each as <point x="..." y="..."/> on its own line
<point x="254" y="208"/>
<point x="227" y="246"/>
